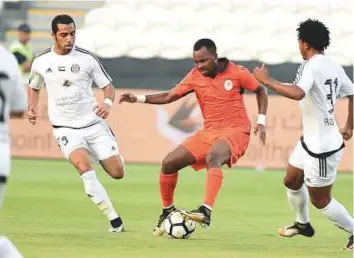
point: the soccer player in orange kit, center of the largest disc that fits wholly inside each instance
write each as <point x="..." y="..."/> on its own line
<point x="218" y="85"/>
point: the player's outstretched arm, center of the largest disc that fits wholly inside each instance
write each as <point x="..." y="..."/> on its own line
<point x="347" y="131"/>
<point x="158" y="98"/>
<point x="287" y="90"/>
<point x="262" y="102"/>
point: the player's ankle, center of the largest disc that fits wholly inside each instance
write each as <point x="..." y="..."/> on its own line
<point x="117" y="222"/>
<point x="207" y="209"/>
<point x="168" y="209"/>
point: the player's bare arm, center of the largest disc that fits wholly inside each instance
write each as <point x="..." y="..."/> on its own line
<point x="290" y="91"/>
<point x="36" y="83"/>
<point x="347" y="131"/>
<point x="262" y="102"/>
<point x="158" y="98"/>
<point x="103" y="109"/>
<point x="33" y="97"/>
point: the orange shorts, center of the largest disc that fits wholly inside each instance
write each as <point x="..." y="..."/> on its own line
<point x="199" y="144"/>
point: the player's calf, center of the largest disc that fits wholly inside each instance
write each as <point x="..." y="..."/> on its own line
<point x="114" y="166"/>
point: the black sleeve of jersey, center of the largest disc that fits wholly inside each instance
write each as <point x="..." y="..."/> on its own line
<point x="20" y="58"/>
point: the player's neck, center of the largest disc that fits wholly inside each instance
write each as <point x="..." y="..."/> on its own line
<point x="216" y="71"/>
<point x="312" y="53"/>
<point x="58" y="51"/>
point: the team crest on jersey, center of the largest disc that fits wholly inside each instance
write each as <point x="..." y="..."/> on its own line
<point x="75" y="68"/>
<point x="228" y="85"/>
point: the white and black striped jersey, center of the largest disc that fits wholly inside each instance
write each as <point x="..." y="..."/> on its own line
<point x="12" y="91"/>
<point x="323" y="81"/>
<point x="68" y="80"/>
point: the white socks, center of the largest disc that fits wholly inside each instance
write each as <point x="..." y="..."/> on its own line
<point x="7" y="249"/>
<point x="336" y="213"/>
<point x="299" y="201"/>
<point x="2" y="193"/>
<point x="98" y="194"/>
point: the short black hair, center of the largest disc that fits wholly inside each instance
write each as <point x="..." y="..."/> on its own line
<point x="314" y="33"/>
<point x="61" y="19"/>
<point x="207" y="43"/>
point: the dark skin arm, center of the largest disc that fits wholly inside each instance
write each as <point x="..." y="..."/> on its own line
<point x="347" y="131"/>
<point x="287" y="90"/>
<point x="158" y="98"/>
<point x="262" y="102"/>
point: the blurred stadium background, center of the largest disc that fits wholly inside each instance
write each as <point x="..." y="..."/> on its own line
<point x="146" y="45"/>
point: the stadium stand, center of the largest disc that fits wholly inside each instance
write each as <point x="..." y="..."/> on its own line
<point x="148" y="43"/>
<point x="244" y="30"/>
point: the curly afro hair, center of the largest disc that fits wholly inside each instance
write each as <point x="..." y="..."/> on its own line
<point x="314" y="33"/>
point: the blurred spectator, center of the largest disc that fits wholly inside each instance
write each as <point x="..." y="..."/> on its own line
<point x="22" y="49"/>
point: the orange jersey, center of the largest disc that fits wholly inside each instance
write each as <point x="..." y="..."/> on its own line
<point x="220" y="98"/>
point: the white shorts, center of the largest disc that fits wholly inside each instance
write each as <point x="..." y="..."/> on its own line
<point x="319" y="172"/>
<point x="97" y="139"/>
<point x="5" y="159"/>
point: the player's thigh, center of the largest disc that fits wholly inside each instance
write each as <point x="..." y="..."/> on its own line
<point x="294" y="177"/>
<point x="114" y="166"/>
<point x="179" y="158"/>
<point x="237" y="142"/>
<point x="69" y="140"/>
<point x="219" y="154"/>
<point x="81" y="160"/>
<point x="320" y="196"/>
<point x="321" y="172"/>
<point x="102" y="143"/>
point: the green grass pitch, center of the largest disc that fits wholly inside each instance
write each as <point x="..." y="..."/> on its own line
<point x="47" y="215"/>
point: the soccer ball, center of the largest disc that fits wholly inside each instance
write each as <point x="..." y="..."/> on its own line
<point x="179" y="227"/>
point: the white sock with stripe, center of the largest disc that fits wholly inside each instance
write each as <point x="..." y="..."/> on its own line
<point x="299" y="201"/>
<point x="336" y="213"/>
<point x="97" y="193"/>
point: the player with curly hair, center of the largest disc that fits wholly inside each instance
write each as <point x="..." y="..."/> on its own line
<point x="319" y="83"/>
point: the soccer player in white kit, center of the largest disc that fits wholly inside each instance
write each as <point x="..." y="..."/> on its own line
<point x="319" y="83"/>
<point x="68" y="72"/>
<point x="13" y="104"/>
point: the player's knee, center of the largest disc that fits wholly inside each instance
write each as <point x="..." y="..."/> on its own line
<point x="319" y="201"/>
<point x="213" y="159"/>
<point x="82" y="167"/>
<point x="292" y="183"/>
<point x="169" y="165"/>
<point x="118" y="172"/>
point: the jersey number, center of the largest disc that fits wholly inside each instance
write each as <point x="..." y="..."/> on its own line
<point x="2" y="98"/>
<point x="332" y="92"/>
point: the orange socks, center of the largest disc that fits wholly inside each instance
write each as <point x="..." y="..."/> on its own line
<point x="213" y="185"/>
<point x="168" y="184"/>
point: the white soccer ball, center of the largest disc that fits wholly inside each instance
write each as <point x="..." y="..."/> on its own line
<point x="179" y="227"/>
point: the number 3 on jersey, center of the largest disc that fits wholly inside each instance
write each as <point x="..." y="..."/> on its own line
<point x="331" y="83"/>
